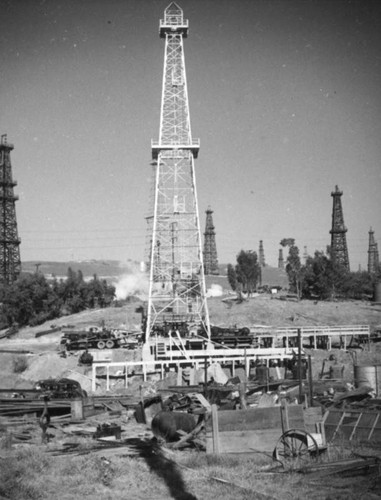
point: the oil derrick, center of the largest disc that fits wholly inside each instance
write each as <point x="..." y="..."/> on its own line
<point x="10" y="263"/>
<point x="177" y="294"/>
<point x="210" y="248"/>
<point x="373" y="257"/>
<point x="261" y="259"/>
<point x="305" y="255"/>
<point x="280" y="259"/>
<point x="339" y="249"/>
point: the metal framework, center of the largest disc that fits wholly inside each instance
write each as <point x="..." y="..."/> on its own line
<point x="210" y="247"/>
<point x="10" y="263"/>
<point x="373" y="257"/>
<point x="177" y="292"/>
<point x="261" y="259"/>
<point x="339" y="249"/>
<point x="280" y="259"/>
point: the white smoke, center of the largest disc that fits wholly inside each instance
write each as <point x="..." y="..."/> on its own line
<point x="215" y="291"/>
<point x="134" y="283"/>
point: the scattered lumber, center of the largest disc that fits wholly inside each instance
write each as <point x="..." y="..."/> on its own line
<point x="348" y="467"/>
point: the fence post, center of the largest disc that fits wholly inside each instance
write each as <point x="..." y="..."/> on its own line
<point x="216" y="438"/>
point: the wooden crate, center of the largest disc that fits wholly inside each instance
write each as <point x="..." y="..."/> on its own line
<point x="248" y="431"/>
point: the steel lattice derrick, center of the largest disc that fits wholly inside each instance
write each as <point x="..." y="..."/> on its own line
<point x="373" y="258"/>
<point x="339" y="249"/>
<point x="10" y="263"/>
<point x="175" y="122"/>
<point x="177" y="283"/>
<point x="210" y="247"/>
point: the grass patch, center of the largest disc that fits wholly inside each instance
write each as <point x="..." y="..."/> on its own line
<point x="33" y="473"/>
<point x="20" y="364"/>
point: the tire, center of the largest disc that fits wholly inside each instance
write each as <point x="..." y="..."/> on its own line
<point x="244" y="331"/>
<point x="101" y="344"/>
<point x="110" y="344"/>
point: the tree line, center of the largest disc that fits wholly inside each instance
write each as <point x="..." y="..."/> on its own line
<point x="319" y="278"/>
<point x="32" y="300"/>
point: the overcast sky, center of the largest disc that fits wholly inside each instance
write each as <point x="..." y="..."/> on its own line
<point x="284" y="96"/>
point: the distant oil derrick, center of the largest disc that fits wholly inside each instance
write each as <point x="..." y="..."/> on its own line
<point x="339" y="249"/>
<point x="280" y="259"/>
<point x="210" y="247"/>
<point x="305" y="254"/>
<point x="10" y="263"/>
<point x="261" y="258"/>
<point x="373" y="256"/>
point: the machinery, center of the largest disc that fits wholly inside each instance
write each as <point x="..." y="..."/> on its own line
<point x="98" y="338"/>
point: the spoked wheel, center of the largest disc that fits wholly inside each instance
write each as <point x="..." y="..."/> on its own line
<point x="110" y="344"/>
<point x="101" y="344"/>
<point x="295" y="447"/>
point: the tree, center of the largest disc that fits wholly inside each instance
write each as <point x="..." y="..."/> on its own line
<point x="321" y="278"/>
<point x="232" y="277"/>
<point x="325" y="280"/>
<point x="29" y="301"/>
<point x="247" y="270"/>
<point x="293" y="267"/>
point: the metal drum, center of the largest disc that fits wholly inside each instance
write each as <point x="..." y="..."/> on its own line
<point x="368" y="376"/>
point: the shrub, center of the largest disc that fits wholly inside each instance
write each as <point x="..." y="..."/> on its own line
<point x="20" y="364"/>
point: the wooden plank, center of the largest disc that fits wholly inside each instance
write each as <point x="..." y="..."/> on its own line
<point x="313" y="417"/>
<point x="201" y="399"/>
<point x="244" y="441"/>
<point x="258" y="418"/>
<point x="374" y="425"/>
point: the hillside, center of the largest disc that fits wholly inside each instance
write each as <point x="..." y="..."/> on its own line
<point x="260" y="310"/>
<point x="44" y="360"/>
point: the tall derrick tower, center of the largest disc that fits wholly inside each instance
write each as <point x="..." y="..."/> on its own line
<point x="210" y="248"/>
<point x="339" y="249"/>
<point x="10" y="263"/>
<point x="262" y="261"/>
<point x="373" y="257"/>
<point x="280" y="259"/>
<point x="177" y="294"/>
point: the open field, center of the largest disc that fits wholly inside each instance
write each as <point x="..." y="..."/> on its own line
<point x="30" y="471"/>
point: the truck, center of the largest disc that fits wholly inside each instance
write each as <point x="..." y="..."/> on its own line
<point x="98" y="338"/>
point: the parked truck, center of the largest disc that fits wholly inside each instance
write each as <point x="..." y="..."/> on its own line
<point x="98" y="338"/>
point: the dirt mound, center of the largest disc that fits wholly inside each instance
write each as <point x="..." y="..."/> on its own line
<point x="48" y="365"/>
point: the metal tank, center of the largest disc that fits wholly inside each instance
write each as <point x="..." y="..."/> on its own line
<point x="368" y="376"/>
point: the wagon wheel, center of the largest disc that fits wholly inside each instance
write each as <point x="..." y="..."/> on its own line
<point x="110" y="344"/>
<point x="295" y="447"/>
<point x="101" y="344"/>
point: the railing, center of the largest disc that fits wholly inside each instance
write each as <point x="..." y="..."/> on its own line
<point x="180" y="145"/>
<point x="196" y="358"/>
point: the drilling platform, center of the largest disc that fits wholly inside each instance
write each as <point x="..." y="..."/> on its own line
<point x="177" y="305"/>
